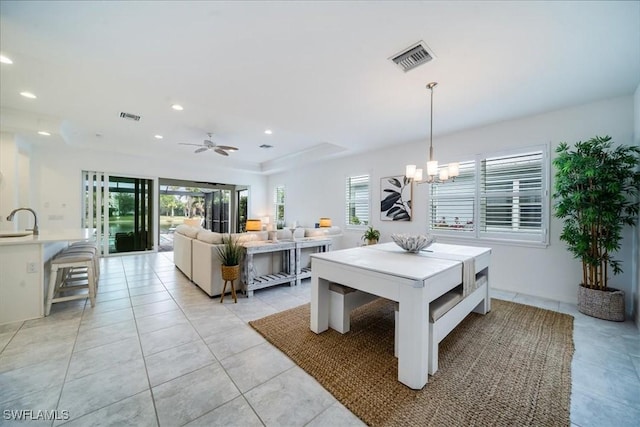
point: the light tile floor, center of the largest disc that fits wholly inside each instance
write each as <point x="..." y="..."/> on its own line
<point x="155" y="350"/>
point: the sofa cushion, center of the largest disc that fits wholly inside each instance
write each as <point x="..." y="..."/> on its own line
<point x="284" y="234"/>
<point x="187" y="230"/>
<point x="210" y="237"/>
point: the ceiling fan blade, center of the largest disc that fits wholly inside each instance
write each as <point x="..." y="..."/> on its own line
<point x="221" y="152"/>
<point x="227" y="147"/>
<point x="201" y="149"/>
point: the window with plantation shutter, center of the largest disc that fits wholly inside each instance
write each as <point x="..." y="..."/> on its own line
<point x="278" y="202"/>
<point x="453" y="203"/>
<point x="512" y="195"/>
<point x="357" y="200"/>
<point x="501" y="196"/>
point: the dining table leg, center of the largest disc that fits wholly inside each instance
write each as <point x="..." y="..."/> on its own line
<point x="413" y="339"/>
<point x="319" y="304"/>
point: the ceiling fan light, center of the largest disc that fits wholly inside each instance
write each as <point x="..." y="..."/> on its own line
<point x="418" y="175"/>
<point x="410" y="171"/>
<point x="444" y="175"/>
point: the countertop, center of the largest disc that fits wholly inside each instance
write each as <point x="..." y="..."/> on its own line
<point x="48" y="236"/>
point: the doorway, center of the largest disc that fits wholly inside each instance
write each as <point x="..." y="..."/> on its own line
<point x="204" y="204"/>
<point x="120" y="208"/>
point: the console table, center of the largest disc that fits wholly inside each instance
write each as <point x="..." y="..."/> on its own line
<point x="322" y="245"/>
<point x="285" y="275"/>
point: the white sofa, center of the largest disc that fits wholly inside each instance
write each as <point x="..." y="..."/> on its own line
<point x="183" y="237"/>
<point x="195" y="253"/>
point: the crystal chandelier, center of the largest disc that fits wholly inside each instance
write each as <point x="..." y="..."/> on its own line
<point x="433" y="176"/>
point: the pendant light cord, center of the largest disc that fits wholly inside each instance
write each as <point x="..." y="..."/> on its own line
<point x="431" y="86"/>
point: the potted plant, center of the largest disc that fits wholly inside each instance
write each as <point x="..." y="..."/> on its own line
<point x="230" y="254"/>
<point x="595" y="194"/>
<point x="371" y="235"/>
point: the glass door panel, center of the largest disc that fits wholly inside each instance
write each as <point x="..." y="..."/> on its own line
<point x="121" y="211"/>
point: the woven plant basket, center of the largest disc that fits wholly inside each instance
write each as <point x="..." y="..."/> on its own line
<point x="607" y="305"/>
<point x="230" y="272"/>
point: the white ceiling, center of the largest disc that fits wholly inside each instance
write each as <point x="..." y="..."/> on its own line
<point x="316" y="73"/>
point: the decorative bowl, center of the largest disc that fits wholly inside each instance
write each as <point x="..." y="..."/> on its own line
<point x="413" y="243"/>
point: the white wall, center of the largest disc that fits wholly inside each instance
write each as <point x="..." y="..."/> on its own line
<point x="318" y="190"/>
<point x="15" y="181"/>
<point x="53" y="178"/>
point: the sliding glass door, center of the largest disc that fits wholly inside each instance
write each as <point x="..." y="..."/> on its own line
<point x="217" y="210"/>
<point x="121" y="210"/>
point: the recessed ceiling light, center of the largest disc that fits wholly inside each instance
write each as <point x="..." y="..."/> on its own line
<point x="177" y="107"/>
<point x="268" y="131"/>
<point x="44" y="133"/>
<point x="5" y="60"/>
<point x="157" y="136"/>
<point x="28" y="95"/>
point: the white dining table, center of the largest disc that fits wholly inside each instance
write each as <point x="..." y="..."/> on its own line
<point x="412" y="280"/>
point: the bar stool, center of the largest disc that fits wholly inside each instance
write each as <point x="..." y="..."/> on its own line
<point x="62" y="278"/>
<point x="90" y="248"/>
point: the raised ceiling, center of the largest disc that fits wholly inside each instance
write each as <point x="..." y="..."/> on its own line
<point x="317" y="74"/>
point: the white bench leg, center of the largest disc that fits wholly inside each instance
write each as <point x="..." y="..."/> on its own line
<point x="433" y="351"/>
<point x="339" y="315"/>
<point x="482" y="307"/>
<point x="341" y="305"/>
<point x="396" y="333"/>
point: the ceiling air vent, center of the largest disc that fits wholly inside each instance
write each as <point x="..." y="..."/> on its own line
<point x="413" y="56"/>
<point x="130" y="116"/>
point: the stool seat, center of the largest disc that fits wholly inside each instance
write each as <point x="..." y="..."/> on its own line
<point x="64" y="277"/>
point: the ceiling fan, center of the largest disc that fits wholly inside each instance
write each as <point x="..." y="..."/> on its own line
<point x="207" y="144"/>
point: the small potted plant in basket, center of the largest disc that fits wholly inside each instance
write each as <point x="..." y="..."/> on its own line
<point x="371" y="236"/>
<point x="230" y="254"/>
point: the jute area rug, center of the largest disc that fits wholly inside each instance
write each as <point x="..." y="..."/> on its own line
<point x="511" y="367"/>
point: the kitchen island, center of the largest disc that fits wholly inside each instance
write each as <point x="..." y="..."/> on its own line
<point x="24" y="270"/>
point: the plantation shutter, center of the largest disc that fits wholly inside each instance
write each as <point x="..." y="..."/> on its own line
<point x="512" y="190"/>
<point x="453" y="202"/>
<point x="278" y="203"/>
<point x="357" y="200"/>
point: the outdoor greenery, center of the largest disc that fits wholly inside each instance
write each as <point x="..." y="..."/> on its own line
<point x="596" y="189"/>
<point x="230" y="252"/>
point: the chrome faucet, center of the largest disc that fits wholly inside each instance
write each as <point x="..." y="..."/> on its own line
<point x="35" y="219"/>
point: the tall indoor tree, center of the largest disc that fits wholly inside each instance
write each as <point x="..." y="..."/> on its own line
<point x="596" y="194"/>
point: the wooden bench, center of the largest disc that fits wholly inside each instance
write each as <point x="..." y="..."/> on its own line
<point x="447" y="311"/>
